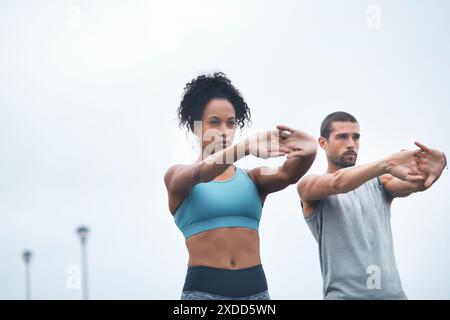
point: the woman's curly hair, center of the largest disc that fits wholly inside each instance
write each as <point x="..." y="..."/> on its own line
<point x="204" y="88"/>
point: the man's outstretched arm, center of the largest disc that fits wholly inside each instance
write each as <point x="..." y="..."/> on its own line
<point x="402" y="165"/>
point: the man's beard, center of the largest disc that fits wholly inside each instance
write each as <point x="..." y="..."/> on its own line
<point x="342" y="162"/>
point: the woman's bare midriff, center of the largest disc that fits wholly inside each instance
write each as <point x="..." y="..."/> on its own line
<point x="225" y="248"/>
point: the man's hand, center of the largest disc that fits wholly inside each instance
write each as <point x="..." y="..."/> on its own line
<point x="431" y="163"/>
<point x="404" y="165"/>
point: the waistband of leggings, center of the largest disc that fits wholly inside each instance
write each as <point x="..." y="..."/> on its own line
<point x="233" y="283"/>
<point x="250" y="269"/>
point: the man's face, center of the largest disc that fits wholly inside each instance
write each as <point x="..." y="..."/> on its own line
<point x="342" y="145"/>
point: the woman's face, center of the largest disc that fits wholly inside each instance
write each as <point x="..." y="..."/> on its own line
<point x="218" y="126"/>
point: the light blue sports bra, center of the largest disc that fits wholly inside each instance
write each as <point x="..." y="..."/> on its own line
<point x="218" y="204"/>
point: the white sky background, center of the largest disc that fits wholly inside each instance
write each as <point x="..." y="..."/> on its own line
<point x="88" y="98"/>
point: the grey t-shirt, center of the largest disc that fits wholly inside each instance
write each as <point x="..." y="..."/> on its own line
<point x="356" y="250"/>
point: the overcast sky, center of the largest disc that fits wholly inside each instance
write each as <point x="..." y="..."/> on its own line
<point x="88" y="98"/>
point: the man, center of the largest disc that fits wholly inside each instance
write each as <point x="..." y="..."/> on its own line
<point x="348" y="210"/>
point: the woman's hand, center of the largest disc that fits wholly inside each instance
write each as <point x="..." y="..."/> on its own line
<point x="301" y="143"/>
<point x="267" y="144"/>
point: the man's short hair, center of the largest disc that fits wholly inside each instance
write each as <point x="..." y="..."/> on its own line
<point x="340" y="116"/>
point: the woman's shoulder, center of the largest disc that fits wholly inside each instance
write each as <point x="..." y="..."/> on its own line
<point x="174" y="167"/>
<point x="171" y="170"/>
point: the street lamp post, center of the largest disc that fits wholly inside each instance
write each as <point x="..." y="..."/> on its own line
<point x="27" y="258"/>
<point x="83" y="233"/>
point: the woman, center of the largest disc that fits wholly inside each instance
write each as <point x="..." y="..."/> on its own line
<point x="216" y="205"/>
